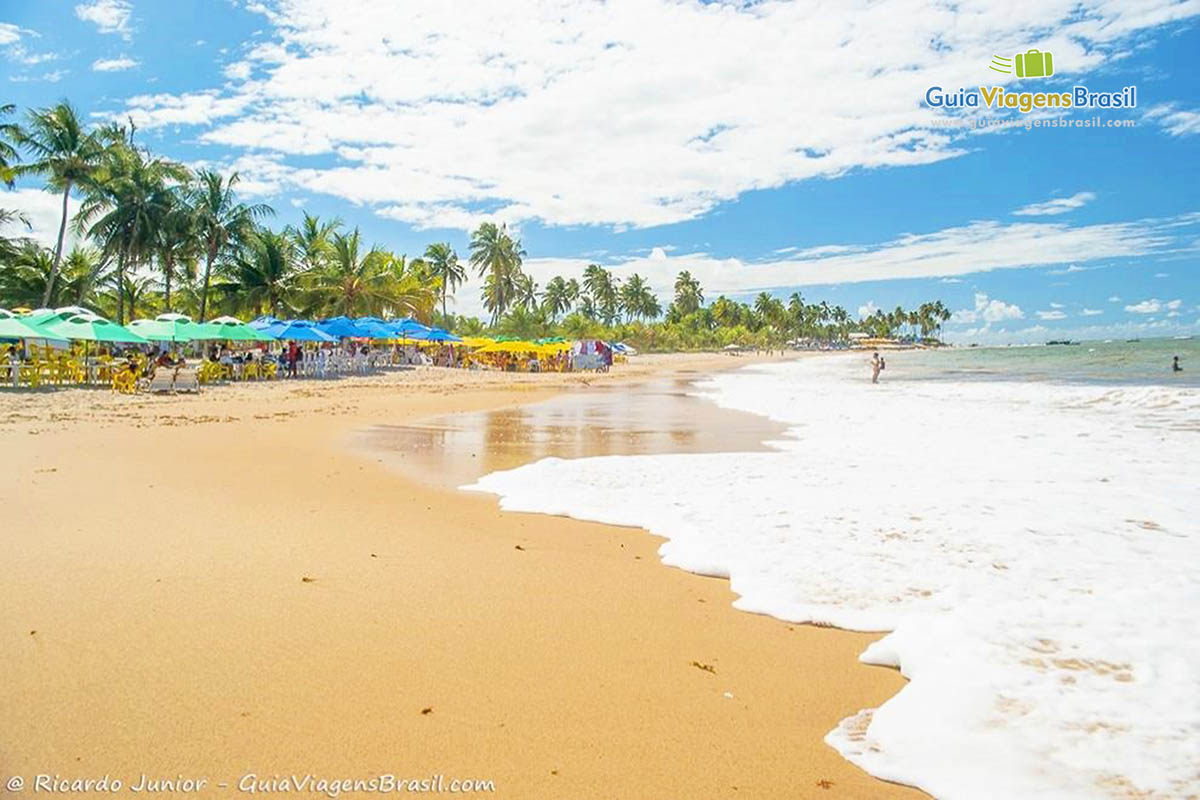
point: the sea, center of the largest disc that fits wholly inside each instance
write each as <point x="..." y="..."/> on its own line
<point x="1022" y="525"/>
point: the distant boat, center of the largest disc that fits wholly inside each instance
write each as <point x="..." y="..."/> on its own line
<point x="1060" y="341"/>
<point x="1133" y="340"/>
<point x="1182" y="336"/>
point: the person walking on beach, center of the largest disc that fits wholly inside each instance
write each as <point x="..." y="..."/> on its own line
<point x="876" y="366"/>
<point x="1175" y="367"/>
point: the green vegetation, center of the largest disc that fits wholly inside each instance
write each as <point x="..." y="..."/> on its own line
<point x="160" y="237"/>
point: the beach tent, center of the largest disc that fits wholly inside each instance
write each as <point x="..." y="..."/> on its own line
<point x="231" y="329"/>
<point x="92" y="328"/>
<point x="477" y="341"/>
<point x="299" y="330"/>
<point x="167" y="328"/>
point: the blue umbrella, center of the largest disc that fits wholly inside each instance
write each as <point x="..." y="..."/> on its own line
<point x="299" y="330"/>
<point x="375" y="330"/>
<point x="409" y="328"/>
<point x="263" y="322"/>
<point x="341" y="327"/>
<point x="435" y="335"/>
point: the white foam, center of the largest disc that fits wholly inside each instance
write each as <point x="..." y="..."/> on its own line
<point x="1033" y="549"/>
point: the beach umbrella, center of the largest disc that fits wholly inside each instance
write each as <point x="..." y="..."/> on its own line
<point x="408" y="328"/>
<point x="509" y="347"/>
<point x="341" y="327"/>
<point x="167" y="328"/>
<point x="435" y="335"/>
<point x="15" y="328"/>
<point x="259" y="323"/>
<point x="92" y="328"/>
<point x="231" y="329"/>
<point x="299" y="330"/>
<point x="374" y="328"/>
<point x="6" y="314"/>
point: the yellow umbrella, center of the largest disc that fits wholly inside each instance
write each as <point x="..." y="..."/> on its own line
<point x="509" y="347"/>
<point x="477" y="341"/>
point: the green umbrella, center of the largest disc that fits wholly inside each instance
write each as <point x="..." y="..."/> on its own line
<point x="168" y="328"/>
<point x="231" y="329"/>
<point x="17" y="328"/>
<point x="89" y="327"/>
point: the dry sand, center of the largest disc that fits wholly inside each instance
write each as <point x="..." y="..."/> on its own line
<point x="227" y="584"/>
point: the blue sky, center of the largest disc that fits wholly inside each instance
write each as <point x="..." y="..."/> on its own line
<point x="762" y="146"/>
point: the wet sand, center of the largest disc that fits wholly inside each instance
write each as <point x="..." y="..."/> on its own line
<point x="658" y="415"/>
<point x="222" y="586"/>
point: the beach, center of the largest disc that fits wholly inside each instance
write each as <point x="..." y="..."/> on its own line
<point x="248" y="583"/>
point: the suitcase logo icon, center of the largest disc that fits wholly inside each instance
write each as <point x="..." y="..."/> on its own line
<point x="1030" y="64"/>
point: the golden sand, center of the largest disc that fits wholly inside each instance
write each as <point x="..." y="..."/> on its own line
<point x="232" y="584"/>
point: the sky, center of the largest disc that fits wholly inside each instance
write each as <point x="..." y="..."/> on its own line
<point x="764" y="146"/>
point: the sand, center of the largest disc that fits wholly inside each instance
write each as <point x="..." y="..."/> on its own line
<point x="237" y="583"/>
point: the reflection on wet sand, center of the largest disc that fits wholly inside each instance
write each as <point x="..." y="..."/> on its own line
<point x="658" y="416"/>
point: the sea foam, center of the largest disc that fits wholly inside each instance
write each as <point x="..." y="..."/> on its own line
<point x="1032" y="549"/>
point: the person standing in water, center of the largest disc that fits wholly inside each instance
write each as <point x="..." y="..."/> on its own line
<point x="876" y="366"/>
<point x="1175" y="365"/>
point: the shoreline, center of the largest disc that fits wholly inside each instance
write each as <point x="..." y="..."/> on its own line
<point x="176" y="613"/>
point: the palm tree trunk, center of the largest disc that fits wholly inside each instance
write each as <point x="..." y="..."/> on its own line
<point x="62" y="230"/>
<point x="208" y="259"/>
<point x="121" y="287"/>
<point x="168" y="268"/>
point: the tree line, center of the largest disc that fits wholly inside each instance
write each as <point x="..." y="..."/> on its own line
<point x="155" y="236"/>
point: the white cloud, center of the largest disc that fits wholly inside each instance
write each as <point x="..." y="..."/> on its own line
<point x="44" y="210"/>
<point x="113" y="64"/>
<point x="1114" y="299"/>
<point x="9" y="33"/>
<point x="109" y="16"/>
<point x="1048" y="315"/>
<point x="1058" y="205"/>
<point x="1174" y="304"/>
<point x="987" y="310"/>
<point x="1161" y="275"/>
<point x="430" y="114"/>
<point x="1176" y="121"/>
<point x="981" y="246"/>
<point x="867" y="310"/>
<point x="1056" y="305"/>
<point x="1151" y="306"/>
<point x="21" y="55"/>
<point x="1092" y="312"/>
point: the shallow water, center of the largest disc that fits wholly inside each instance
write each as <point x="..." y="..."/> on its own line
<point x="1030" y="541"/>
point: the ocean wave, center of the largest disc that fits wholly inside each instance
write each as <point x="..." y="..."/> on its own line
<point x="1030" y="547"/>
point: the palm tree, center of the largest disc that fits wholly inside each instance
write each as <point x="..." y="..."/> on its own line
<point x="443" y="264"/>
<point x="8" y="247"/>
<point x="24" y="278"/>
<point x="67" y="155"/>
<point x="556" y="299"/>
<point x="525" y="293"/>
<point x="177" y="240"/>
<point x="312" y="240"/>
<point x="602" y="289"/>
<point x="127" y="199"/>
<point x="497" y="257"/>
<point x="10" y="134"/>
<point x="261" y="273"/>
<point x="688" y="295"/>
<point x="221" y="221"/>
<point x="637" y="301"/>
